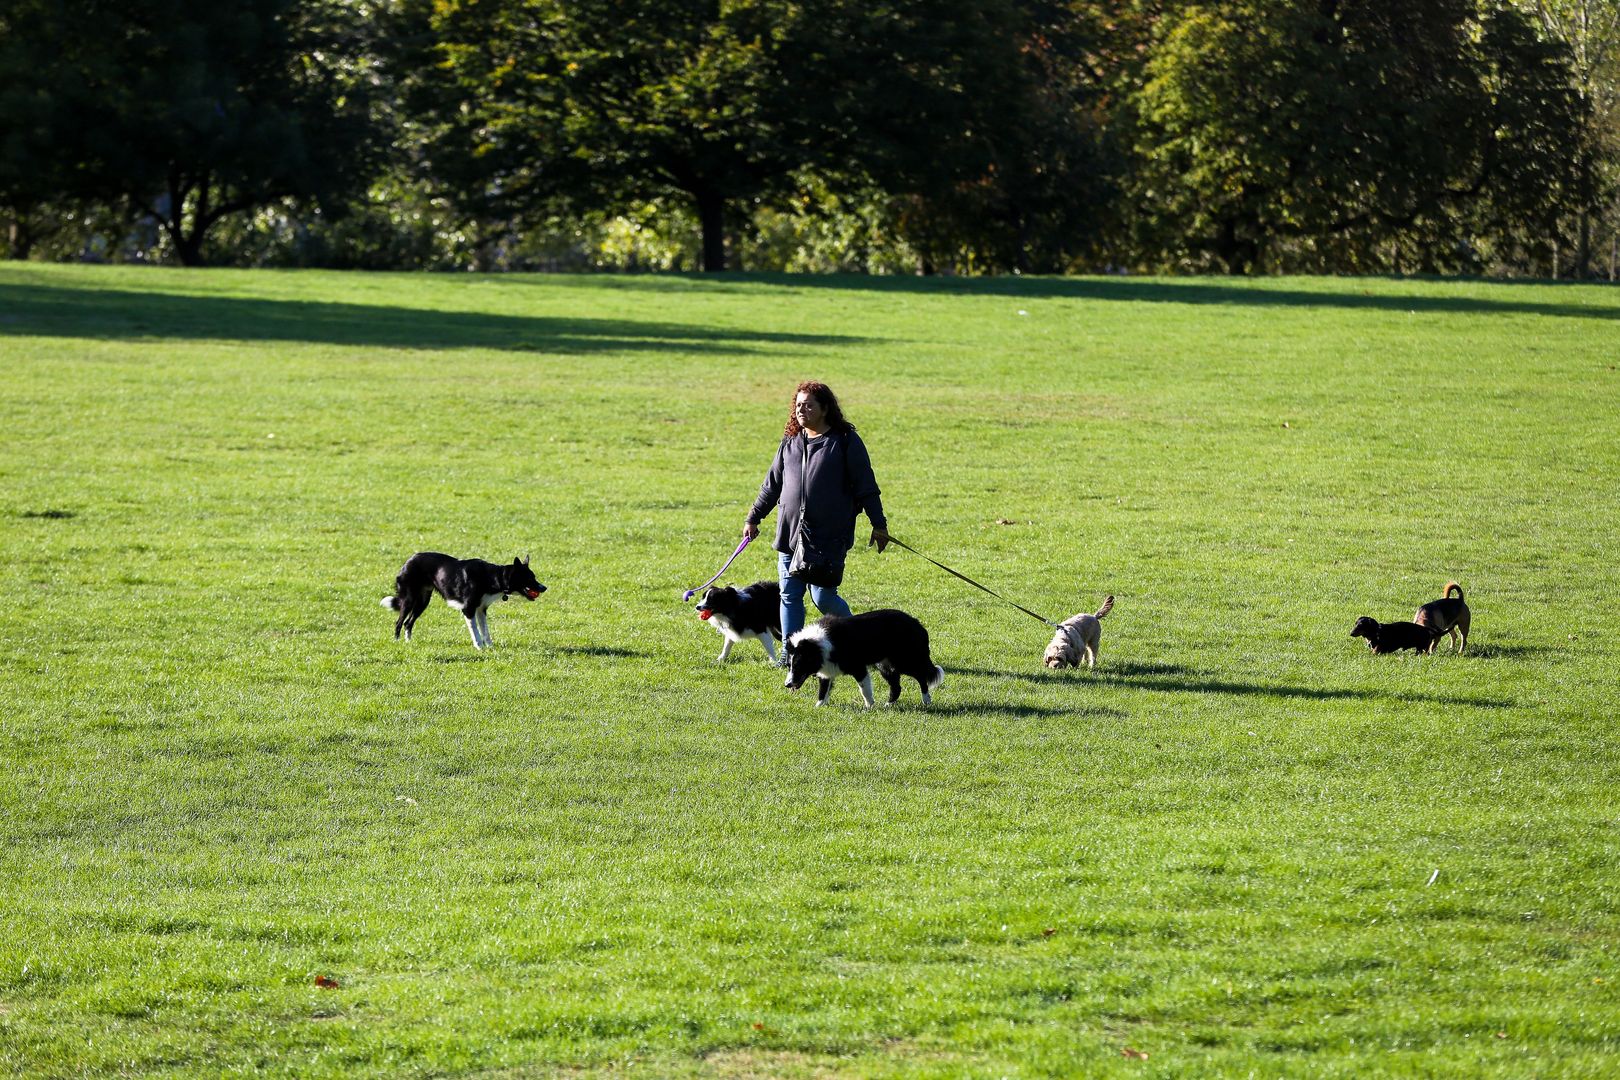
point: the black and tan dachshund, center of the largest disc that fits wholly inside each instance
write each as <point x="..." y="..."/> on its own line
<point x="1394" y="636"/>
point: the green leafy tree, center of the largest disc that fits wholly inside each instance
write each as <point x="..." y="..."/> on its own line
<point x="966" y="112"/>
<point x="1590" y="29"/>
<point x="188" y="110"/>
<point x="984" y="121"/>
<point x="602" y="105"/>
<point x="39" y="103"/>
<point x="1341" y="126"/>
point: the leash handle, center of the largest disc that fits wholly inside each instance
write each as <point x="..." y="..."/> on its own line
<point x="689" y="593"/>
<point x="971" y="582"/>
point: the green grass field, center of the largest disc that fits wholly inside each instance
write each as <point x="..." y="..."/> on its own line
<point x="1242" y="846"/>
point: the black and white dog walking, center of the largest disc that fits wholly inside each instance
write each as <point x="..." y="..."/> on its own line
<point x="739" y="614"/>
<point x="468" y="585"/>
<point x="892" y="641"/>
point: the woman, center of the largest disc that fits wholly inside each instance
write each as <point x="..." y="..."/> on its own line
<point x="822" y="476"/>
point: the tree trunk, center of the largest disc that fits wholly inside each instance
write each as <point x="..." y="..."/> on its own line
<point x="187" y="242"/>
<point x="20" y="239"/>
<point x="1238" y="253"/>
<point x="712" y="212"/>
<point x="1583" y="243"/>
<point x="189" y="246"/>
<point x="1583" y="248"/>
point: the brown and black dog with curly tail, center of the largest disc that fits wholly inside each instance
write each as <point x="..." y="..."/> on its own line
<point x="1448" y="615"/>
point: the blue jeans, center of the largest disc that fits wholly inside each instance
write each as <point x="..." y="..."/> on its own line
<point x="827" y="601"/>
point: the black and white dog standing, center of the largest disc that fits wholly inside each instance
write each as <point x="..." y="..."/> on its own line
<point x="740" y="614"/>
<point x="892" y="641"/>
<point x="468" y="585"/>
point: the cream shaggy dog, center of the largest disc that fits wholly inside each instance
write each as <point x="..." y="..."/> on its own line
<point x="1077" y="636"/>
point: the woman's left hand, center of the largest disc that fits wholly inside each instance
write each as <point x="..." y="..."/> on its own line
<point x="880" y="537"/>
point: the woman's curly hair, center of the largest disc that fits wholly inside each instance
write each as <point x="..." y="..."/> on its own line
<point x="829" y="404"/>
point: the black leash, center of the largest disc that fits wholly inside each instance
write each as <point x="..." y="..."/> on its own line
<point x="973" y="583"/>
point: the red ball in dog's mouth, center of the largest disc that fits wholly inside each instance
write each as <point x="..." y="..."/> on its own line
<point x="532" y="594"/>
<point x="704" y="613"/>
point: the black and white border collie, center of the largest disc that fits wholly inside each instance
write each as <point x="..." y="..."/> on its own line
<point x="468" y="585"/>
<point x="892" y="641"/>
<point x="739" y="614"/>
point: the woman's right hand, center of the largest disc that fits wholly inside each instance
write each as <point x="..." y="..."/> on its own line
<point x="750" y="530"/>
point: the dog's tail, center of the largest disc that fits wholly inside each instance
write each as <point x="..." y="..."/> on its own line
<point x="391" y="603"/>
<point x="1453" y="585"/>
<point x="937" y="680"/>
<point x="1108" y="605"/>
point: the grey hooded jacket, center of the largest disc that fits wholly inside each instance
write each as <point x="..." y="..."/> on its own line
<point x="837" y="485"/>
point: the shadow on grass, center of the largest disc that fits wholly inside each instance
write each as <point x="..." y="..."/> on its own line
<point x="473" y="657"/>
<point x="999" y="708"/>
<point x="1176" y="678"/>
<point x="1038" y="674"/>
<point x="942" y="709"/>
<point x="1218" y="292"/>
<point x="1501" y="652"/>
<point x="1207" y="684"/>
<point x="596" y="650"/>
<point x="34" y="310"/>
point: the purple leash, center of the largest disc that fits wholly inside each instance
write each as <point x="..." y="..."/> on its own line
<point x="689" y="593"/>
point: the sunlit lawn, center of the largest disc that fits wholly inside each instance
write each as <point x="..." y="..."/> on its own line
<point x="1242" y="845"/>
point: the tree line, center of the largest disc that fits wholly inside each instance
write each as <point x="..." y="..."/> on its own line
<point x="963" y="136"/>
